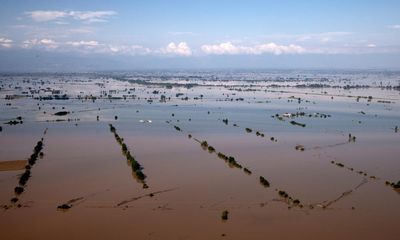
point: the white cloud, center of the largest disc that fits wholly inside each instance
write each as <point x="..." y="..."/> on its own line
<point x="355" y="48"/>
<point x="92" y="16"/>
<point x="324" y="37"/>
<point x="46" y="43"/>
<point x="83" y="43"/>
<point x="310" y="38"/>
<point x="223" y="48"/>
<point x="129" y="49"/>
<point x="61" y="22"/>
<point x="43" y="16"/>
<point x="181" y="49"/>
<point x="230" y="48"/>
<point x="85" y="47"/>
<point x="29" y="43"/>
<point x="86" y="16"/>
<point x="279" y="49"/>
<point x="80" y="30"/>
<point x="397" y="26"/>
<point x="5" y="42"/>
<point x="96" y="47"/>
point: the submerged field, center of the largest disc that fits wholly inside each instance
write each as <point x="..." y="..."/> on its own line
<point x="200" y="155"/>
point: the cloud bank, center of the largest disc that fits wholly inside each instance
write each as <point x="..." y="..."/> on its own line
<point x="272" y="48"/>
<point x="5" y="42"/>
<point x="181" y="49"/>
<point x="86" y="16"/>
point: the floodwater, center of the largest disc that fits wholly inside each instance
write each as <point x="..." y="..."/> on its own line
<point x="340" y="182"/>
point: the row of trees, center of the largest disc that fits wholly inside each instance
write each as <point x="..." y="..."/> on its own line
<point x="135" y="165"/>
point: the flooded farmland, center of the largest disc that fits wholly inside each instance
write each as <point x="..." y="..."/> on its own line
<point x="200" y="155"/>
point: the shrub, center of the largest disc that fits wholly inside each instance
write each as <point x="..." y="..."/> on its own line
<point x="124" y="148"/>
<point x="222" y="156"/>
<point x="64" y="207"/>
<point x="283" y="194"/>
<point x="264" y="182"/>
<point x="135" y="165"/>
<point x="246" y="170"/>
<point x="297" y="123"/>
<point x="340" y="164"/>
<point x="24" y="177"/>
<point x="140" y="175"/>
<point x="211" y="149"/>
<point x="224" y="215"/>
<point x="299" y="147"/>
<point x="296" y="201"/>
<point x="18" y="190"/>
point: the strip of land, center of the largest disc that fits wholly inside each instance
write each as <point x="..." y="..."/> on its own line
<point x="13" y="165"/>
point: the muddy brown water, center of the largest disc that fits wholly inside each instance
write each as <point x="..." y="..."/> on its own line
<point x="84" y="166"/>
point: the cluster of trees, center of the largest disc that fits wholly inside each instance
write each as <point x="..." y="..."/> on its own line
<point x="205" y="146"/>
<point x="17" y="120"/>
<point x="289" y="199"/>
<point x="352" y="138"/>
<point x="394" y="185"/>
<point x="297" y="123"/>
<point x="299" y="148"/>
<point x="249" y="130"/>
<point x="230" y="160"/>
<point x="352" y="169"/>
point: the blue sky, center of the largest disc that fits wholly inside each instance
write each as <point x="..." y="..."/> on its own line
<point x="189" y="34"/>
